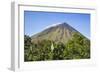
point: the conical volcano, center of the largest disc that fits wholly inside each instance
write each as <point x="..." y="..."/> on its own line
<point x="61" y="32"/>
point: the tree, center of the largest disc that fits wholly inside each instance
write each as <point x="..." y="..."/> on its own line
<point x="27" y="42"/>
<point x="45" y="49"/>
<point x="78" y="47"/>
<point x="27" y="45"/>
<point x="58" y="51"/>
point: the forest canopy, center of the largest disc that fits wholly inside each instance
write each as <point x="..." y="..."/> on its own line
<point x="78" y="47"/>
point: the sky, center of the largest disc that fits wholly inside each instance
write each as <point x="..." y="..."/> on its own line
<point x="35" y="22"/>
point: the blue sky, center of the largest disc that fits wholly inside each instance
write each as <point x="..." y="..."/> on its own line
<point x="35" y="22"/>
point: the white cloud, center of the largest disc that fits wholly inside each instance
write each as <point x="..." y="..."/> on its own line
<point x="52" y="25"/>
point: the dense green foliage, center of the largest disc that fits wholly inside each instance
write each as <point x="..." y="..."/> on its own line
<point x="78" y="47"/>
